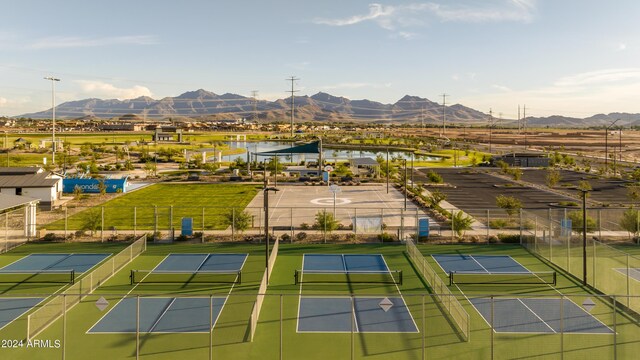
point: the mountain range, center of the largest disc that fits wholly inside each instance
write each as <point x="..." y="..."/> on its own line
<point x="201" y="104"/>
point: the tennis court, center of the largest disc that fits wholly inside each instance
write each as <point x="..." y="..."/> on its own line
<point x="382" y="314"/>
<point x="161" y="315"/>
<point x="196" y="314"/>
<point x="14" y="307"/>
<point x="634" y="273"/>
<point x="538" y="315"/>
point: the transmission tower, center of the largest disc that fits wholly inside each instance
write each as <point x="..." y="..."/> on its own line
<point x="292" y="91"/>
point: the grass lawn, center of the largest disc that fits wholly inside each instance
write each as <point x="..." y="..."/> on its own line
<point x="188" y="200"/>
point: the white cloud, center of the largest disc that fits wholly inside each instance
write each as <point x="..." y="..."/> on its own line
<point x="501" y="88"/>
<point x="76" y="41"/>
<point x="393" y="17"/>
<point x="104" y="90"/>
<point x="302" y="65"/>
<point x="622" y="47"/>
<point x="3" y="101"/>
<point x="579" y="95"/>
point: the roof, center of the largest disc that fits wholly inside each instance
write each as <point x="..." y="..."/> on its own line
<point x="20" y="170"/>
<point x="365" y="161"/>
<point x="521" y="155"/>
<point x="10" y="201"/>
<point x="310" y="148"/>
<point x="27" y="181"/>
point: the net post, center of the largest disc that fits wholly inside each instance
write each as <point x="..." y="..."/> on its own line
<point x="131" y="277"/>
<point x="401" y="277"/>
<point x="73" y="276"/>
<point x="555" y="278"/>
<point x="295" y="277"/>
<point x="239" y="277"/>
<point x="450" y="278"/>
<point x="102" y="224"/>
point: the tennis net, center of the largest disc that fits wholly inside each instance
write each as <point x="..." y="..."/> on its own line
<point x="40" y="276"/>
<point x="503" y="278"/>
<point x="198" y="277"/>
<point x="313" y="276"/>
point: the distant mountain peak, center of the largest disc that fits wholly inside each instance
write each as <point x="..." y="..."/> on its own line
<point x="197" y="94"/>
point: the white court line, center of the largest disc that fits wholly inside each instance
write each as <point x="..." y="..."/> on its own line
<point x="125" y="296"/>
<point x="536" y="315"/>
<point x="161" y="315"/>
<point x="24" y="312"/>
<point x="477" y="262"/>
<point x="400" y="292"/>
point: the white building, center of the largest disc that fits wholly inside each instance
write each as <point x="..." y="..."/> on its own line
<point x="32" y="182"/>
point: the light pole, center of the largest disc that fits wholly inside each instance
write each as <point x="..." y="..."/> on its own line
<point x="584" y="237"/>
<point x="53" y="116"/>
<point x="606" y="146"/>
<point x="266" y="225"/>
<point x="405" y="183"/>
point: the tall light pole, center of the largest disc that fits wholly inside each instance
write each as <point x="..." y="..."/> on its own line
<point x="292" y="91"/>
<point x="266" y="225"/>
<point x="405" y="183"/>
<point x="584" y="237"/>
<point x="53" y="116"/>
<point x="606" y="146"/>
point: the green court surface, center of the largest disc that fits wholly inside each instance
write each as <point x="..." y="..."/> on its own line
<point x="278" y="336"/>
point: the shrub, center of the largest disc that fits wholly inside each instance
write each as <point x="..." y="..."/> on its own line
<point x="385" y="237"/>
<point x="434" y="177"/>
<point x="552" y="178"/>
<point x="461" y="222"/>
<point x="325" y="222"/>
<point x="304" y="226"/>
<point x="91" y="220"/>
<point x="499" y="223"/>
<point x="509" y="238"/>
<point x="576" y="222"/>
<point x="285" y="237"/>
<point x="350" y="237"/>
<point x="238" y="220"/>
<point x="49" y="237"/>
<point x="301" y="236"/>
<point x="630" y="221"/>
<point x="510" y="204"/>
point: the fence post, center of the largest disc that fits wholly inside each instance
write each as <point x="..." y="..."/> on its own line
<point x="291" y="224"/>
<point x="453" y="225"/>
<point x="135" y="221"/>
<point x="401" y="224"/>
<point x="354" y="223"/>
<point x="628" y="283"/>
<point x="520" y="226"/>
<point x="102" y="224"/>
<point x="488" y="224"/>
<point x="171" y="220"/>
<point x="65" y="222"/>
<point x="233" y="224"/>
<point x="491" y="327"/>
<point x="324" y="223"/>
<point x="202" y="225"/>
<point x="615" y="327"/>
<point x="381" y="223"/>
<point x="137" y="327"/>
<point x="424" y="329"/>
<point x="210" y="327"/>
<point x="64" y="324"/>
<point x="417" y="224"/>
<point x="599" y="224"/>
<point x="6" y="231"/>
<point x="561" y="326"/>
<point x="155" y="223"/>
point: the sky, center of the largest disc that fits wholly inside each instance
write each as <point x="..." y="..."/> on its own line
<point x="556" y="57"/>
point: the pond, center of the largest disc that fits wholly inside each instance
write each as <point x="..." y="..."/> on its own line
<point x="328" y="153"/>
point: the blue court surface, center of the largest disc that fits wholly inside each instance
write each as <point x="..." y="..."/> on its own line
<point x="344" y="263"/>
<point x="79" y="263"/>
<point x="162" y="315"/>
<point x="327" y="314"/>
<point x="634" y="273"/>
<point x="202" y="262"/>
<point x="486" y="264"/>
<point x="13" y="308"/>
<point x="535" y="315"/>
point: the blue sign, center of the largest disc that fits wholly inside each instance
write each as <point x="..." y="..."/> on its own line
<point x="325" y="176"/>
<point x="187" y="226"/>
<point x="423" y="227"/>
<point x="91" y="185"/>
<point x="565" y="227"/>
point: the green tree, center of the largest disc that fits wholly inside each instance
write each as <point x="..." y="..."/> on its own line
<point x="631" y="222"/>
<point x="509" y="204"/>
<point x="576" y="222"/>
<point x="434" y="177"/>
<point x="436" y="197"/>
<point x="552" y="178"/>
<point x="150" y="168"/>
<point x="325" y="222"/>
<point x="239" y="220"/>
<point x="460" y="223"/>
<point x="77" y="192"/>
<point x="102" y="187"/>
<point x="91" y="220"/>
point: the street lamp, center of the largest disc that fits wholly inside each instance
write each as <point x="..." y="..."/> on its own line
<point x="266" y="224"/>
<point x="584" y="237"/>
<point x="53" y="116"/>
<point x="606" y="146"/>
<point x="405" y="183"/>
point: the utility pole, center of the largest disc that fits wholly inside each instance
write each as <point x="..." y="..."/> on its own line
<point x="422" y="118"/>
<point x="524" y="125"/>
<point x="53" y="117"/>
<point x="519" y="120"/>
<point x="444" y="116"/>
<point x="292" y="91"/>
<point x="490" y="125"/>
<point x="254" y="95"/>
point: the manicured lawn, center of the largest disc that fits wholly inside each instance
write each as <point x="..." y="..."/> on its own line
<point x="167" y="204"/>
